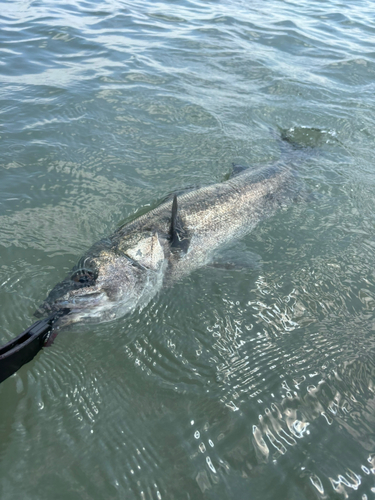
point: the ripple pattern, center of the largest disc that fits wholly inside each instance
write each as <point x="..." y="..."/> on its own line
<point x="252" y="382"/>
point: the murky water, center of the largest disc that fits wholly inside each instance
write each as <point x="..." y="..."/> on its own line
<point x="251" y="384"/>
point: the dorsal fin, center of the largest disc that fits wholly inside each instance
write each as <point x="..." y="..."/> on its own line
<point x="173" y="230"/>
<point x="177" y="234"/>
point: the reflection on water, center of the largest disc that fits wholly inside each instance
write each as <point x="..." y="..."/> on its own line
<point x="253" y="381"/>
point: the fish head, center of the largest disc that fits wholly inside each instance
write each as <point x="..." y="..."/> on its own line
<point x="110" y="283"/>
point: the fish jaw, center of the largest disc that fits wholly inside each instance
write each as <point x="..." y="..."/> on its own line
<point x="119" y="287"/>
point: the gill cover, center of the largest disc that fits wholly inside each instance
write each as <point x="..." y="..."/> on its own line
<point x="146" y="250"/>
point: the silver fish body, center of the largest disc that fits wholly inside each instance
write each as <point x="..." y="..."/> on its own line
<point x="127" y="269"/>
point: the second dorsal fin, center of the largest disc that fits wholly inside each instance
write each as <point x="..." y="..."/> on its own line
<point x="238" y="169"/>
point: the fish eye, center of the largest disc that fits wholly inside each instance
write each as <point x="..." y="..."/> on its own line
<point x="83" y="277"/>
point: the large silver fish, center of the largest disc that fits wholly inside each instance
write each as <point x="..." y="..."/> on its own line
<point x="127" y="269"/>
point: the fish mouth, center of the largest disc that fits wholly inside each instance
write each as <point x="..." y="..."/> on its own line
<point x="65" y="313"/>
<point x="88" y="300"/>
<point x="73" y="308"/>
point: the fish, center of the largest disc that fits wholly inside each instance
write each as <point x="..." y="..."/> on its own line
<point x="127" y="269"/>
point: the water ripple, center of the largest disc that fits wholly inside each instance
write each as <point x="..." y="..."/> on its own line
<point x="260" y="380"/>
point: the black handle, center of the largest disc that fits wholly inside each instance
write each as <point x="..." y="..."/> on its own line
<point x="23" y="348"/>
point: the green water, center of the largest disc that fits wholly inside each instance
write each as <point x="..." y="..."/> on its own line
<point x="257" y="384"/>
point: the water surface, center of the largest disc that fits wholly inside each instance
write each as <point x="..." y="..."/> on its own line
<point x="250" y="384"/>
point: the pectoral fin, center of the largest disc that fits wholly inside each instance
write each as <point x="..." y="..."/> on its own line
<point x="236" y="259"/>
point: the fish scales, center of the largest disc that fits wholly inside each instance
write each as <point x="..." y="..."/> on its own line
<point x="127" y="269"/>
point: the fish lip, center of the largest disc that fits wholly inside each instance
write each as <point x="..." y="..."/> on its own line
<point x="70" y="305"/>
<point x="88" y="301"/>
<point x="64" y="313"/>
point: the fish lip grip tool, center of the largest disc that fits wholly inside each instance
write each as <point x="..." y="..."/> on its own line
<point x="25" y="346"/>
